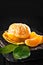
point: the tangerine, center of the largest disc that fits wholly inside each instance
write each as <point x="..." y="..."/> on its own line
<point x="19" y="30"/>
<point x="34" y="41"/>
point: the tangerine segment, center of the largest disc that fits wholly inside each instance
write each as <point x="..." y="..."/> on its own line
<point x="34" y="41"/>
<point x="19" y="30"/>
<point x="33" y="34"/>
<point x="11" y="39"/>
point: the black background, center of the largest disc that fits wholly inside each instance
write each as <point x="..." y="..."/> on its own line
<point x="12" y="8"/>
<point x="33" y="10"/>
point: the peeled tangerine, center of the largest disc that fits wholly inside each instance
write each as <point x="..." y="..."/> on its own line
<point x="19" y="30"/>
<point x="34" y="40"/>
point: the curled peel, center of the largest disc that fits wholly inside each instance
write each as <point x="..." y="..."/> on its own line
<point x="11" y="39"/>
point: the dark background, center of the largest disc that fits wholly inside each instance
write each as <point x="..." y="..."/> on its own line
<point x="12" y="8"/>
<point x="29" y="11"/>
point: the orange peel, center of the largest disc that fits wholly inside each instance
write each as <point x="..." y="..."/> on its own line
<point x="11" y="39"/>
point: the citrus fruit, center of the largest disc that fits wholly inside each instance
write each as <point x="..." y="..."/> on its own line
<point x="33" y="34"/>
<point x="19" y="30"/>
<point x="34" y="41"/>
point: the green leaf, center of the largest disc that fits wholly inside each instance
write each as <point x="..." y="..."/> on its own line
<point x="21" y="52"/>
<point x="8" y="49"/>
